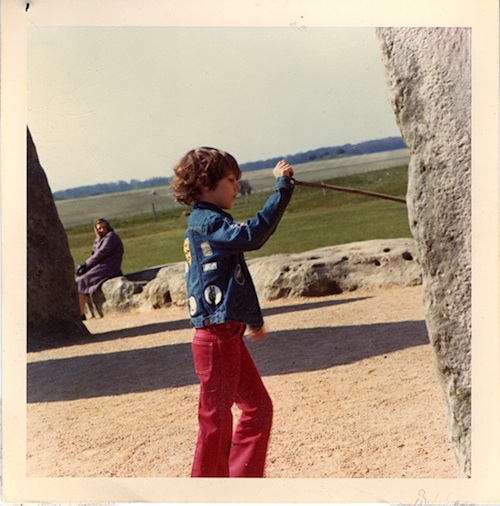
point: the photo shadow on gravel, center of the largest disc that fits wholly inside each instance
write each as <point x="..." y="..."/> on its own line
<point x="170" y="366"/>
<point x="156" y="328"/>
<point x="295" y="351"/>
<point x="140" y="330"/>
<point x="308" y="305"/>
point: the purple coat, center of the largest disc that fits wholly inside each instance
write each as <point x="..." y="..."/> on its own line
<point x="105" y="263"/>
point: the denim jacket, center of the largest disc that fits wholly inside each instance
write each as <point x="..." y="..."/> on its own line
<point x="219" y="285"/>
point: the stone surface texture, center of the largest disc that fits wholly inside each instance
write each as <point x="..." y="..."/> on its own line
<point x="428" y="75"/>
<point x="53" y="314"/>
<point x="334" y="269"/>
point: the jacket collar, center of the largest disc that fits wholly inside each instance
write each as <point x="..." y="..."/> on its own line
<point x="211" y="207"/>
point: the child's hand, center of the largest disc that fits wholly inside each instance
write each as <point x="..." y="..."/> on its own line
<point x="282" y="169"/>
<point x="257" y="335"/>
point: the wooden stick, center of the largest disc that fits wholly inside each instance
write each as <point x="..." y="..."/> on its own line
<point x="350" y="190"/>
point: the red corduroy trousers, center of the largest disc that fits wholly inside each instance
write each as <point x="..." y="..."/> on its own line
<point x="228" y="375"/>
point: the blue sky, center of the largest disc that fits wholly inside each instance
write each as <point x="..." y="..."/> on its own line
<point x="120" y="103"/>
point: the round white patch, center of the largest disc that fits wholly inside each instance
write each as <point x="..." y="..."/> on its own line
<point x="213" y="295"/>
<point x="192" y="306"/>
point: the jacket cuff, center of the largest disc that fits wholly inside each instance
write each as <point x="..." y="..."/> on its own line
<point x="285" y="182"/>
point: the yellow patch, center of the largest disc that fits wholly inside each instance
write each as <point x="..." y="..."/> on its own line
<point x="187" y="251"/>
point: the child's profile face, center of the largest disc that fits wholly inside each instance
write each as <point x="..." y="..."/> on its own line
<point x="225" y="193"/>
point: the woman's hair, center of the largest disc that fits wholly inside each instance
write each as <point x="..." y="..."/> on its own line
<point x="201" y="167"/>
<point x="102" y="220"/>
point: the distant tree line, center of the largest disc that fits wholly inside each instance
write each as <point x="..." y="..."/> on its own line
<point x="363" y="148"/>
<point x="100" y="188"/>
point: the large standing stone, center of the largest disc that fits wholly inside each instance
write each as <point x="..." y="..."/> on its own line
<point x="52" y="298"/>
<point x="428" y="74"/>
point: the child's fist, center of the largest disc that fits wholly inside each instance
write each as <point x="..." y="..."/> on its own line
<point x="282" y="169"/>
<point x="257" y="334"/>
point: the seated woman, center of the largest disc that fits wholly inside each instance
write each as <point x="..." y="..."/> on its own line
<point x="104" y="263"/>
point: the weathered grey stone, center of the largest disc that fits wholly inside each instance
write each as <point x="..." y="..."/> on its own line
<point x="429" y="85"/>
<point x="334" y="269"/>
<point x="120" y="294"/>
<point x="156" y="293"/>
<point x="167" y="287"/>
<point x="176" y="274"/>
<point x="53" y="314"/>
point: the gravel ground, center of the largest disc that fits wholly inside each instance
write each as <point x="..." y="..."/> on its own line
<point x="351" y="376"/>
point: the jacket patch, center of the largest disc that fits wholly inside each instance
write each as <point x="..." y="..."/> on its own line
<point x="187" y="251"/>
<point x="206" y="249"/>
<point x="235" y="224"/>
<point x="192" y="306"/>
<point x="212" y="266"/>
<point x="238" y="275"/>
<point x="213" y="295"/>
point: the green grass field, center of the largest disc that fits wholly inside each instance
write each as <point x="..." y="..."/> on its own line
<point x="314" y="218"/>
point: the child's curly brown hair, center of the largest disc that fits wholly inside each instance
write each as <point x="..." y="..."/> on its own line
<point x="201" y="167"/>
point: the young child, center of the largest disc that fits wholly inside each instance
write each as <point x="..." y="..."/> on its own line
<point x="222" y="304"/>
